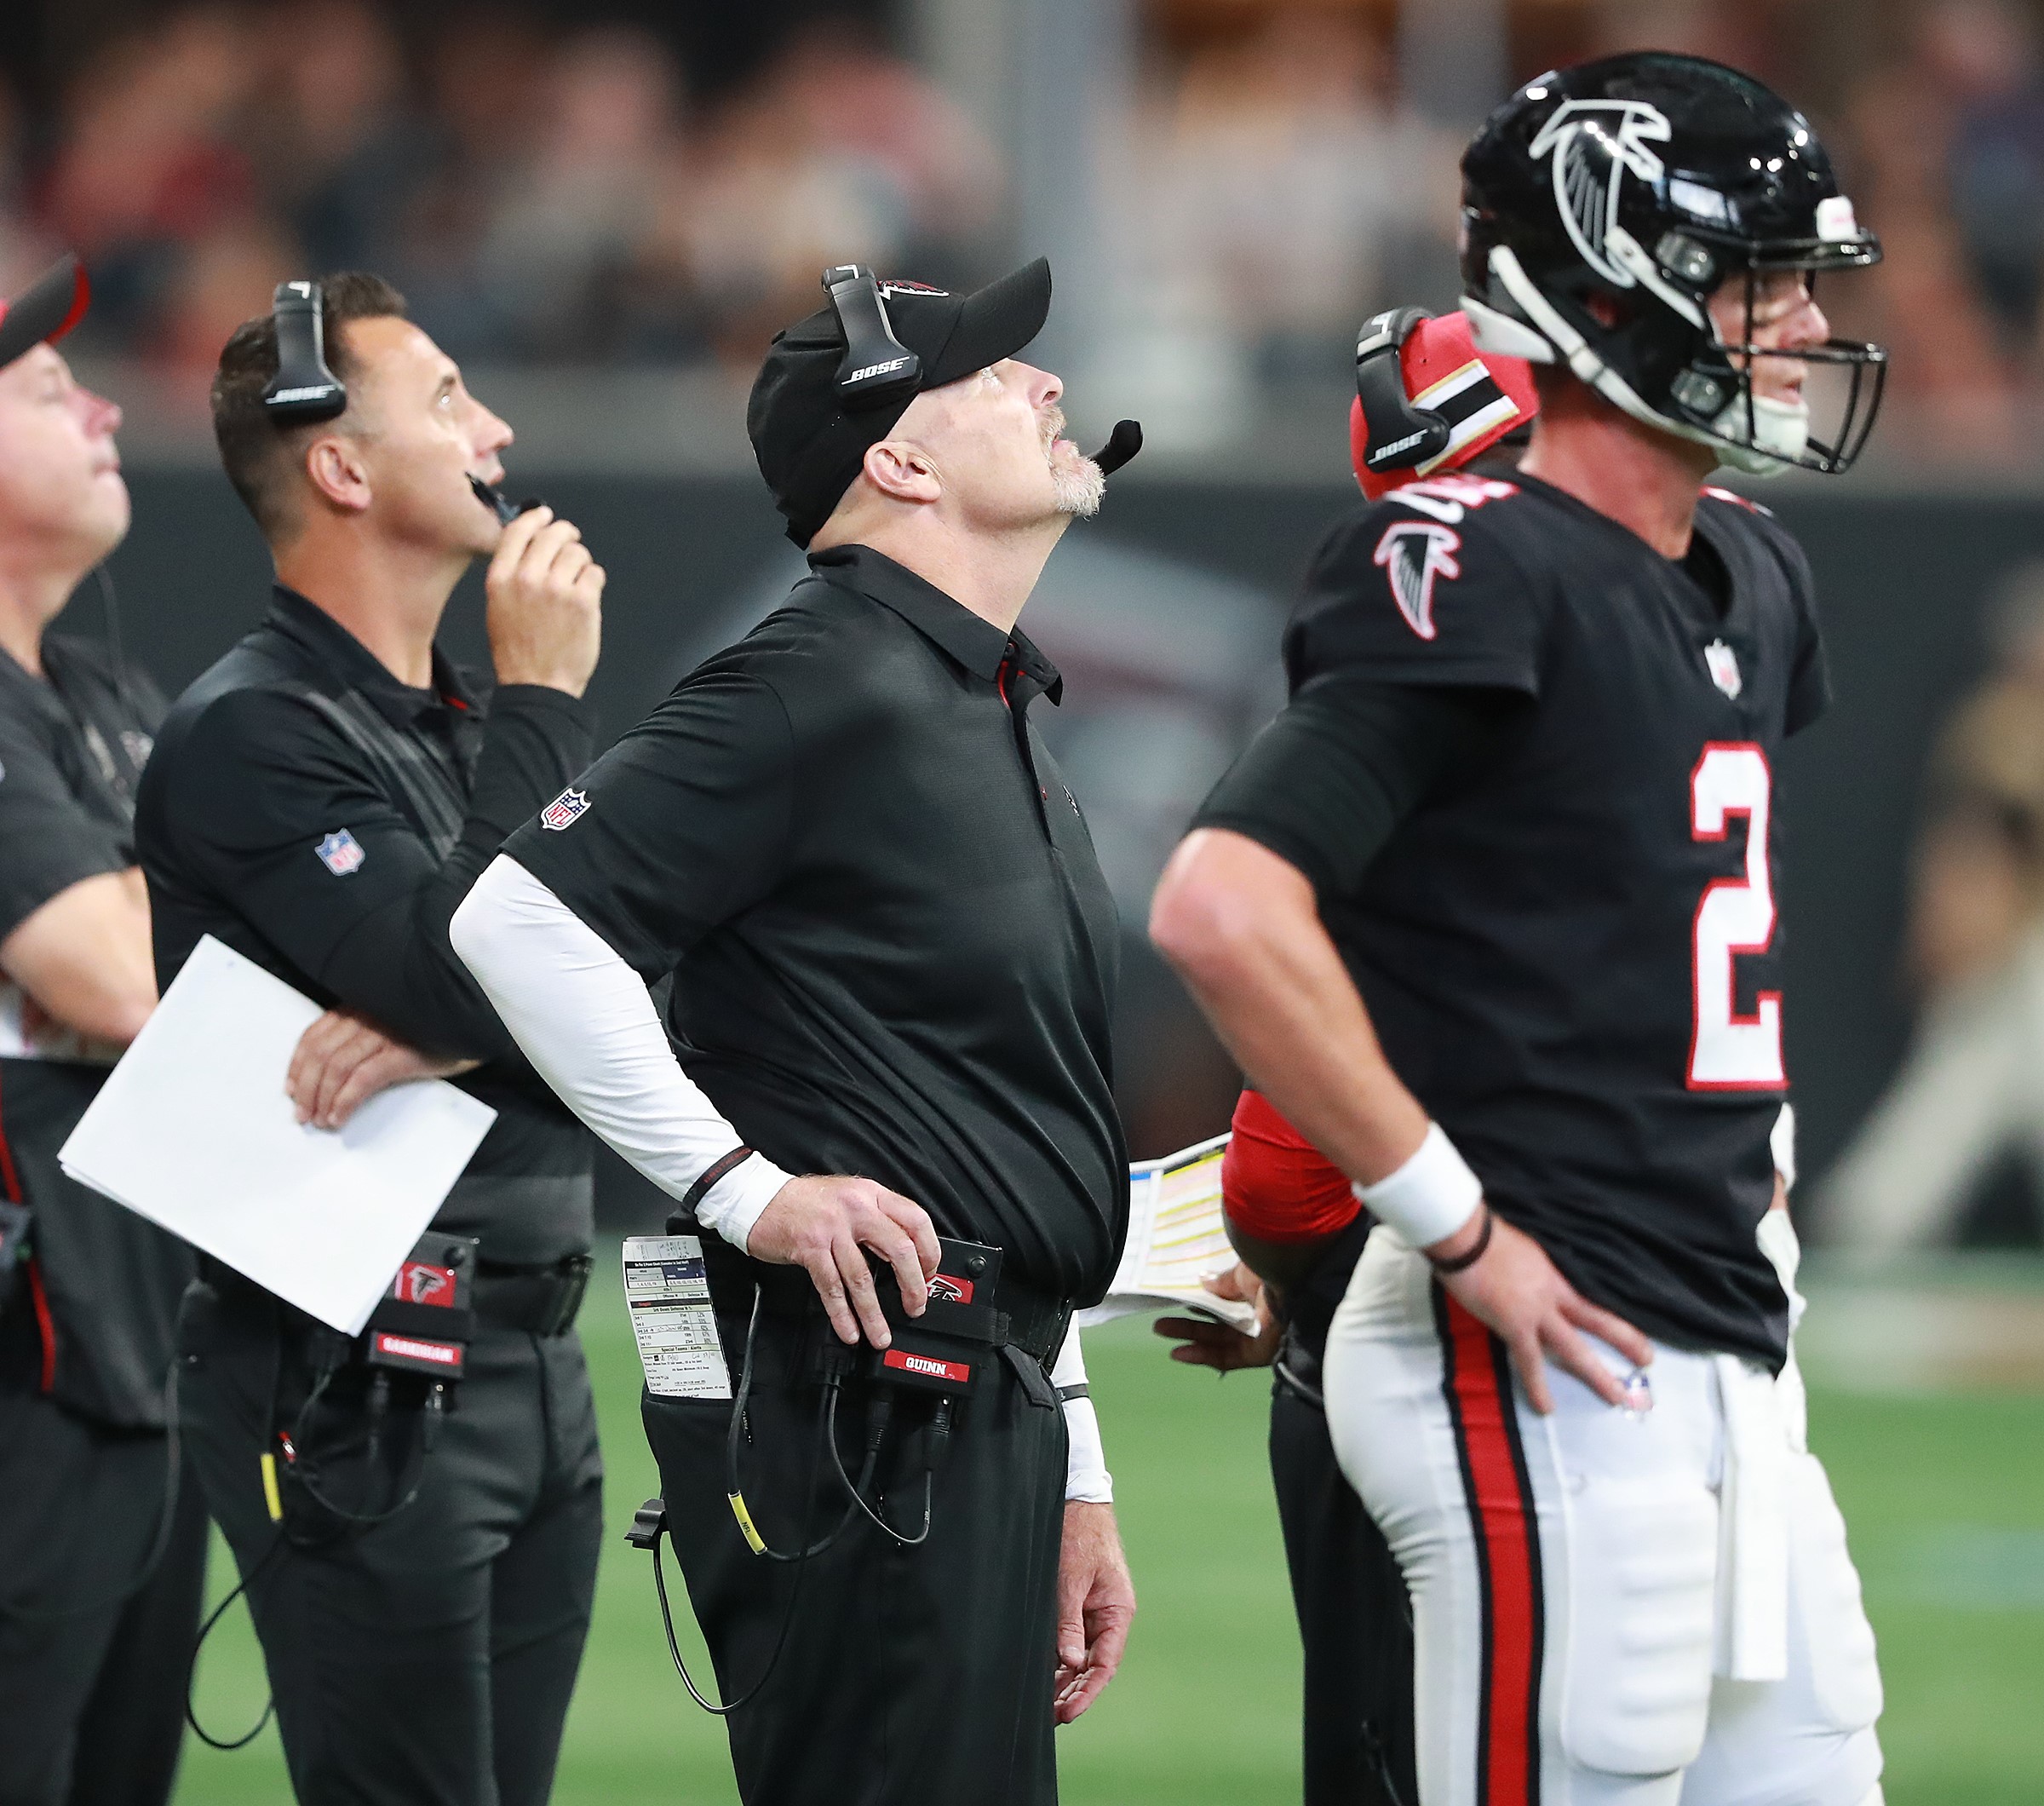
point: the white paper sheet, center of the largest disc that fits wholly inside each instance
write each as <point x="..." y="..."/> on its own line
<point x="193" y="1129"/>
<point x="1176" y="1241"/>
<point x="667" y="1291"/>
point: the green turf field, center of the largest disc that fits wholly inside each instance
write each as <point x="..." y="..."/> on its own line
<point x="1945" y="1498"/>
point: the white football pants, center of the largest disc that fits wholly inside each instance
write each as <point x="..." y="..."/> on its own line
<point x="1610" y="1607"/>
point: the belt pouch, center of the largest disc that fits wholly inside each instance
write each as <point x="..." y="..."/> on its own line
<point x="426" y="1320"/>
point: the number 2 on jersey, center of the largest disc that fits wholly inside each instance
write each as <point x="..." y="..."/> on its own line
<point x="1729" y="1052"/>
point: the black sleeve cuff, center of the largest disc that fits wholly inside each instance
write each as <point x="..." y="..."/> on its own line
<point x="31" y="890"/>
<point x="1296" y="848"/>
<point x="536" y="740"/>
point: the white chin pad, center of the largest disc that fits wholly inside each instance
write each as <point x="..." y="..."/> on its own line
<point x="1780" y="429"/>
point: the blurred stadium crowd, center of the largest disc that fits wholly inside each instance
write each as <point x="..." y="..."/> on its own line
<point x="582" y="186"/>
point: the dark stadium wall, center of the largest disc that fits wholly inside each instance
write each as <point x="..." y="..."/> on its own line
<point x="1902" y="582"/>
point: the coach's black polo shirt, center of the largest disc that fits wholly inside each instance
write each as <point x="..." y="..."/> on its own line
<point x="316" y="814"/>
<point x="91" y="1324"/>
<point x="894" y="953"/>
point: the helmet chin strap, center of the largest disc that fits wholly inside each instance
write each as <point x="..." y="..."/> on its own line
<point x="1780" y="431"/>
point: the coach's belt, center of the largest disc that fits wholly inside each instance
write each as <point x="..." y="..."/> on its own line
<point x="1753" y="1526"/>
<point x="541" y="1301"/>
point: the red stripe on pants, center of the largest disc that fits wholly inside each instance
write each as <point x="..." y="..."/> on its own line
<point x="1507" y="1533"/>
<point x="10" y="1181"/>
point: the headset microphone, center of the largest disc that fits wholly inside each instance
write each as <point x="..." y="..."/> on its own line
<point x="499" y="503"/>
<point x="1122" y="444"/>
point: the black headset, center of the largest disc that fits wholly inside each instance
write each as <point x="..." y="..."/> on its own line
<point x="877" y="368"/>
<point x="1401" y="436"/>
<point x="304" y="390"/>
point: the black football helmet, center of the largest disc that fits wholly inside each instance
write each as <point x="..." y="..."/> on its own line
<point x="1646" y="182"/>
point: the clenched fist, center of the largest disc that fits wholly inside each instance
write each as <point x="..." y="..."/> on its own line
<point x="545" y="595"/>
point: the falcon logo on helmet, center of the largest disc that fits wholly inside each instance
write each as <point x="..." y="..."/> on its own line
<point x="1593" y="144"/>
<point x="1604" y="206"/>
<point x="1413" y="554"/>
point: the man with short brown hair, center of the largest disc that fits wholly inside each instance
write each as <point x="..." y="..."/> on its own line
<point x="320" y="801"/>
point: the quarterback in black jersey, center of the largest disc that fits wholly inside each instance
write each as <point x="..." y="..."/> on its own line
<point x="1489" y="914"/>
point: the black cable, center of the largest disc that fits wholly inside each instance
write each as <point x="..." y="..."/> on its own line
<point x="205" y="1630"/>
<point x="159" y="1544"/>
<point x="801" y="1563"/>
<point x="875" y="1428"/>
<point x="414" y="1471"/>
<point x="379" y="1398"/>
<point x="110" y="612"/>
<point x="735" y="1491"/>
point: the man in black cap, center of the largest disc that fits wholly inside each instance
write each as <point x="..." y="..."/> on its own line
<point x="102" y="1550"/>
<point x="895" y="958"/>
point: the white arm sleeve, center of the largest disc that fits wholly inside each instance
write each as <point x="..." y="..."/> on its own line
<point x="1085" y="1475"/>
<point x="586" y="1023"/>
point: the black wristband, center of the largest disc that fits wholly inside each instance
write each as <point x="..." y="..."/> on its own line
<point x="1470" y="1256"/>
<point x="715" y="1170"/>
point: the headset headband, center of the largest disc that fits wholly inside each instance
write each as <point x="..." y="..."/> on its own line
<point x="304" y="390"/>
<point x="877" y="368"/>
<point x="1401" y="436"/>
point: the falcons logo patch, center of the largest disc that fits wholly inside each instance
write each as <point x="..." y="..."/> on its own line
<point x="1413" y="554"/>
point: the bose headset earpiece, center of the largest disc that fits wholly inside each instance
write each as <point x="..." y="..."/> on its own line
<point x="304" y="390"/>
<point x="877" y="367"/>
<point x="1401" y="435"/>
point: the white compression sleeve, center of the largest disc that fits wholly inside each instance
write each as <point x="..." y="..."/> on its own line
<point x="586" y="1023"/>
<point x="1085" y="1475"/>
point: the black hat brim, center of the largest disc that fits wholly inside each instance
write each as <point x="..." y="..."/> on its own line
<point x="48" y="308"/>
<point x="995" y="322"/>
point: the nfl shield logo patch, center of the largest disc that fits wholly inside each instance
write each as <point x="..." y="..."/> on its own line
<point x="1724" y="666"/>
<point x="564" y="809"/>
<point x="341" y="853"/>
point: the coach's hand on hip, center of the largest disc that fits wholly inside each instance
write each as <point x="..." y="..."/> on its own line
<point x="1096" y="1602"/>
<point x="824" y="1224"/>
<point x="1514" y="1289"/>
<point x="545" y="614"/>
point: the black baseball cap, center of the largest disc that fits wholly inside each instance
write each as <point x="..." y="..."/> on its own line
<point x="810" y="445"/>
<point x="48" y="308"/>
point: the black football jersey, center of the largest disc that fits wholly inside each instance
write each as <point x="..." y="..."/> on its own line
<point x="1573" y="956"/>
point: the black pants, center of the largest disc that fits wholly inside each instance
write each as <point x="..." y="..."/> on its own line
<point x="92" y="1705"/>
<point x="1354" y="1621"/>
<point x="910" y="1677"/>
<point x="428" y="1660"/>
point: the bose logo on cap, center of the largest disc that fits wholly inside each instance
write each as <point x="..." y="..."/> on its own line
<point x="876" y="370"/>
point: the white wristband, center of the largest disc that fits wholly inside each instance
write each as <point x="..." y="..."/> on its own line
<point x="737" y="1200"/>
<point x="1085" y="1475"/>
<point x="1430" y="1197"/>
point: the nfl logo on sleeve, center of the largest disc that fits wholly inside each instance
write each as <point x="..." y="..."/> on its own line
<point x="341" y="853"/>
<point x="562" y="811"/>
